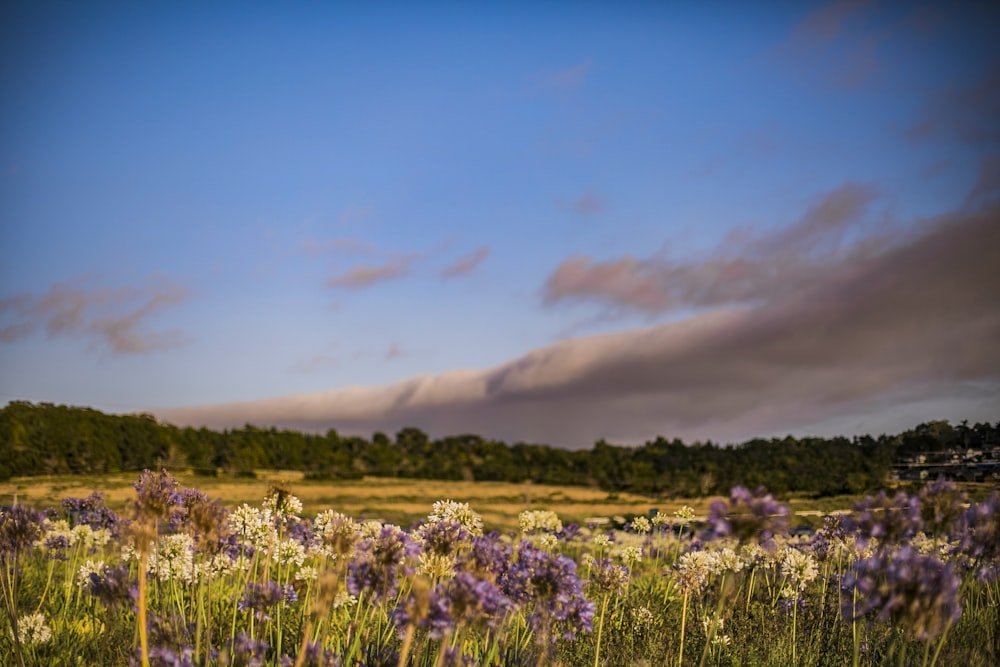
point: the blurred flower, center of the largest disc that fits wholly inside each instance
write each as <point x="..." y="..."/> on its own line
<point x="641" y="525"/>
<point x="338" y="533"/>
<point x="891" y="521"/>
<point x="92" y="511"/>
<point x="442" y="537"/>
<point x="941" y="507"/>
<point x="917" y="592"/>
<point x="157" y="497"/>
<point x="630" y="555"/>
<point x="379" y="561"/>
<point x="487" y="558"/>
<point x="281" y="503"/>
<point x="111" y="585"/>
<point x="539" y="520"/>
<point x="608" y="578"/>
<point x="245" y="651"/>
<point x="449" y="510"/>
<point x="20" y="527"/>
<point x="262" y="598"/>
<point x="314" y="655"/>
<point x="979" y="537"/>
<point x="747" y="516"/>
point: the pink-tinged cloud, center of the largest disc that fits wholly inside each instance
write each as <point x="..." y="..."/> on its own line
<point x="566" y="79"/>
<point x="833" y="45"/>
<point x="366" y="276"/>
<point x="342" y="245"/>
<point x="589" y="203"/>
<point x="744" y="270"/>
<point x="827" y="23"/>
<point x="914" y="323"/>
<point x="467" y="264"/>
<point x="112" y="317"/>
<point x="970" y="114"/>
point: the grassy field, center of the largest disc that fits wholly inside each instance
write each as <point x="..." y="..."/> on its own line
<point x="397" y="500"/>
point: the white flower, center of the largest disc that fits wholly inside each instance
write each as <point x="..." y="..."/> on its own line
<point x="798" y="568"/>
<point x="282" y="504"/>
<point x="255" y="526"/>
<point x="630" y="555"/>
<point x="173" y="558"/>
<point x="307" y="573"/>
<point x="450" y="510"/>
<point x="642" y="618"/>
<point x="601" y="540"/>
<point x="727" y="560"/>
<point x="435" y="565"/>
<point x="539" y="520"/>
<point x="289" y="552"/>
<point x="33" y="629"/>
<point x="88" y="568"/>
<point x="641" y="525"/>
<point x="547" y="541"/>
<point x="684" y="514"/>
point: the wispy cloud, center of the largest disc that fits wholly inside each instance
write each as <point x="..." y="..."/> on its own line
<point x="826" y="23"/>
<point x="317" y="362"/>
<point x="112" y="317"/>
<point x="835" y="45"/>
<point x="366" y="276"/>
<point x="467" y="263"/>
<point x="341" y="245"/>
<point x="746" y="269"/>
<point x="915" y="321"/>
<point x="589" y="203"/>
<point x="969" y="114"/>
<point x="564" y="80"/>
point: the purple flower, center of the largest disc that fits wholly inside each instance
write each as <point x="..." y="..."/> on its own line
<point x="245" y="651"/>
<point x="92" y="511"/>
<point x="379" y="561"/>
<point x="315" y="655"/>
<point x="748" y="516"/>
<point x="113" y="587"/>
<point x="443" y="537"/>
<point x="608" y="578"/>
<point x="160" y="656"/>
<point x="262" y="598"/>
<point x="548" y="582"/>
<point x="906" y="588"/>
<point x="157" y="498"/>
<point x="890" y="520"/>
<point x="941" y="507"/>
<point x="20" y="526"/>
<point x="56" y="546"/>
<point x="488" y="558"/>
<point x="979" y="537"/>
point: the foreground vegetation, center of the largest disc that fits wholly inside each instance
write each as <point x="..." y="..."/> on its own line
<point x="183" y="581"/>
<point x="47" y="439"/>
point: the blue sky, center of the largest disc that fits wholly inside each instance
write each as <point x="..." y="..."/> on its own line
<point x="552" y="223"/>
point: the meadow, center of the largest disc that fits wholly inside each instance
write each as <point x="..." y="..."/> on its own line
<point x="282" y="571"/>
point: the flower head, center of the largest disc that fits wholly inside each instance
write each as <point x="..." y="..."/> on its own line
<point x="33" y="629"/>
<point x="748" y="516"/>
<point x="910" y="589"/>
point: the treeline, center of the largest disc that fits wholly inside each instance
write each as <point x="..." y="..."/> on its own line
<point x="37" y="439"/>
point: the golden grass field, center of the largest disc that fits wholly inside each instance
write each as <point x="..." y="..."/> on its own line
<point x="398" y="500"/>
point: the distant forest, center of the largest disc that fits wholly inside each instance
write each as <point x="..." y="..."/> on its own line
<point x="39" y="439"/>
